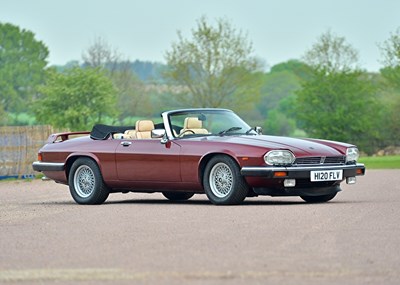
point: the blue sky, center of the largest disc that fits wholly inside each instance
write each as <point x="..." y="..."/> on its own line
<point x="279" y="30"/>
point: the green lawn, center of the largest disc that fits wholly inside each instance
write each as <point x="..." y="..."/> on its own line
<point x="381" y="162"/>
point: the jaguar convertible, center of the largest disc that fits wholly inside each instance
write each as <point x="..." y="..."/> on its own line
<point x="196" y="151"/>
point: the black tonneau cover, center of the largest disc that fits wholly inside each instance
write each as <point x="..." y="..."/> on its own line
<point x="102" y="132"/>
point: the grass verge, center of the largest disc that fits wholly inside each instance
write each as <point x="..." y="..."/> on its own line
<point x="381" y="162"/>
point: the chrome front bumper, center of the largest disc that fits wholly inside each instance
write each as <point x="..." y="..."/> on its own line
<point x="294" y="172"/>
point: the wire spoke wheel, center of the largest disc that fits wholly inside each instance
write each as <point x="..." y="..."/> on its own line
<point x="221" y="180"/>
<point x="84" y="181"/>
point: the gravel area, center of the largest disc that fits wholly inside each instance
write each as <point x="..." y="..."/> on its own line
<point x="46" y="238"/>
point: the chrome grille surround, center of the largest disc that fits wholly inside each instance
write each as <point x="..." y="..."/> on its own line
<point x="320" y="160"/>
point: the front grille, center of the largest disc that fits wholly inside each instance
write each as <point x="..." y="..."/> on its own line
<point x="335" y="159"/>
<point x="320" y="160"/>
<point x="308" y="160"/>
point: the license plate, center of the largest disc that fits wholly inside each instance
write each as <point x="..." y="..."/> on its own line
<point x="326" y="175"/>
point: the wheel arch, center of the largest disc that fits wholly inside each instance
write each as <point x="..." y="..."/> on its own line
<point x="206" y="158"/>
<point x="73" y="157"/>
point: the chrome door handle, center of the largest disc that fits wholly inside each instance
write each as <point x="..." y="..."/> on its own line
<point x="126" y="143"/>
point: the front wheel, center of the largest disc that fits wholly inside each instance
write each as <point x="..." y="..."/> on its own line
<point x="86" y="182"/>
<point x="318" y="199"/>
<point x="223" y="183"/>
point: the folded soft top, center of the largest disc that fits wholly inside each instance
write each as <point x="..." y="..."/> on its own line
<point x="102" y="132"/>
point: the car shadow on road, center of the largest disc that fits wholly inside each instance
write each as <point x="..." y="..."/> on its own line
<point x="205" y="202"/>
<point x="200" y="202"/>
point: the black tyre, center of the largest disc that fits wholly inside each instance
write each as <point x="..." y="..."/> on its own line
<point x="86" y="182"/>
<point x="178" y="196"/>
<point x="318" y="199"/>
<point x="223" y="183"/>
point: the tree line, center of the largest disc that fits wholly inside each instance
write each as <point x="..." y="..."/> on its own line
<point x="325" y="94"/>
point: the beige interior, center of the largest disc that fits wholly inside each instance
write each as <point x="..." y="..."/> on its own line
<point x="130" y="134"/>
<point x="143" y="129"/>
<point x="193" y="125"/>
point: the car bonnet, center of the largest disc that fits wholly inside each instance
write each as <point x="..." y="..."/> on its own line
<point x="300" y="147"/>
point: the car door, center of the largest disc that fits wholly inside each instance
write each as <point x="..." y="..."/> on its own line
<point x="148" y="160"/>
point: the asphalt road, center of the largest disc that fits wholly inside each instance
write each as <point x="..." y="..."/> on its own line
<point x="46" y="238"/>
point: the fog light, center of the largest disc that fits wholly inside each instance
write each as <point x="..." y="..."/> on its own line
<point x="351" y="180"/>
<point x="289" y="182"/>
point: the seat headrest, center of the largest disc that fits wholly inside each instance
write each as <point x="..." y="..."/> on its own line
<point x="144" y="126"/>
<point x="192" y="123"/>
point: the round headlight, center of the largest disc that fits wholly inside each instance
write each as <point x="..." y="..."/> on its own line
<point x="279" y="157"/>
<point x="352" y="154"/>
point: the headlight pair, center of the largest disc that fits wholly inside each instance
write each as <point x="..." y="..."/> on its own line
<point x="286" y="157"/>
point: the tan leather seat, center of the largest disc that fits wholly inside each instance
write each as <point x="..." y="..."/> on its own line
<point x="193" y="125"/>
<point x="130" y="134"/>
<point x="143" y="129"/>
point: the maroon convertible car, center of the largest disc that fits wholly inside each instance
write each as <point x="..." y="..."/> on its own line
<point x="195" y="151"/>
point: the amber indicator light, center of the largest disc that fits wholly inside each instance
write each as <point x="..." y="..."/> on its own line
<point x="280" y="174"/>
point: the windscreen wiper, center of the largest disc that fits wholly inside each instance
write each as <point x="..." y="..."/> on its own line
<point x="221" y="133"/>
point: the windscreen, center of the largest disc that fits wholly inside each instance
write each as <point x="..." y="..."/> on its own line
<point x="215" y="122"/>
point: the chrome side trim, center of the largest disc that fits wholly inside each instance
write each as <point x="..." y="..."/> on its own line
<point x="48" y="166"/>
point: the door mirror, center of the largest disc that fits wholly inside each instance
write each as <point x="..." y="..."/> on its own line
<point x="258" y="130"/>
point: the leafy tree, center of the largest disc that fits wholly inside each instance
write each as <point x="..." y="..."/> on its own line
<point x="278" y="123"/>
<point x="279" y="87"/>
<point x="336" y="106"/>
<point x="215" y="66"/>
<point x="132" y="97"/>
<point x="278" y="94"/>
<point x="391" y="92"/>
<point x="391" y="51"/>
<point x="22" y="66"/>
<point x="338" y="100"/>
<point x="3" y="116"/>
<point x="332" y="54"/>
<point x="294" y="66"/>
<point x="76" y="99"/>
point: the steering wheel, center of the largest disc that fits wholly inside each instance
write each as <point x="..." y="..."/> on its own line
<point x="186" y="131"/>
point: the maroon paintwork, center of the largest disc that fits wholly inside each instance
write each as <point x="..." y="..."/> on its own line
<point x="177" y="164"/>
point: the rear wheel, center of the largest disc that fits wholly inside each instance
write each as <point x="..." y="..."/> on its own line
<point x="223" y="183"/>
<point x="318" y="199"/>
<point x="178" y="196"/>
<point x="86" y="182"/>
